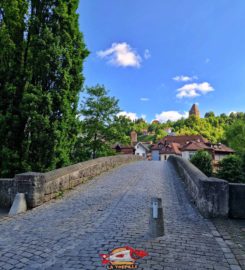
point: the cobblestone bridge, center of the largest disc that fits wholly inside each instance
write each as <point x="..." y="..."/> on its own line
<point x="111" y="211"/>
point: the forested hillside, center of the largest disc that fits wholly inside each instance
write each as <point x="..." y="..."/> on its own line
<point x="214" y="128"/>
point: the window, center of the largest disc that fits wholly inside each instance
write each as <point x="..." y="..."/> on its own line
<point x="191" y="154"/>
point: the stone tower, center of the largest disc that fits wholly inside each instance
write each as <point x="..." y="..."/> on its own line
<point x="194" y="111"/>
<point x="134" y="138"/>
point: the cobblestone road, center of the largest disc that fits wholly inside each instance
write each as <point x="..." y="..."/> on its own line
<point x="233" y="232"/>
<point x="111" y="211"/>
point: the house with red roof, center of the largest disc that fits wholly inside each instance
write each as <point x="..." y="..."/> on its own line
<point x="142" y="149"/>
<point x="186" y="146"/>
<point x="124" y="149"/>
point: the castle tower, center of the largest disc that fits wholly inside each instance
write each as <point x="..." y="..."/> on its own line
<point x="194" y="111"/>
<point x="133" y="136"/>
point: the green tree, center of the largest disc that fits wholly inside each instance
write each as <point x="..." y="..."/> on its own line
<point x="153" y="127"/>
<point x="203" y="161"/>
<point x="42" y="53"/>
<point x="235" y="136"/>
<point x="122" y="128"/>
<point x="12" y="70"/>
<point x="209" y="114"/>
<point x="160" y="134"/>
<point x="100" y="123"/>
<point x="230" y="168"/>
<point x="140" y="125"/>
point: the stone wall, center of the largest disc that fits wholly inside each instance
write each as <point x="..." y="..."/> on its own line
<point x="211" y="195"/>
<point x="237" y="200"/>
<point x="42" y="187"/>
<point x="6" y="186"/>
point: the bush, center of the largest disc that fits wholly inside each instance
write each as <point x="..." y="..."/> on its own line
<point x="231" y="169"/>
<point x="203" y="161"/>
<point x="243" y="163"/>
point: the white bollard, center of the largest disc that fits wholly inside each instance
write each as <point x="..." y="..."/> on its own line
<point x="156" y="224"/>
<point x="155" y="209"/>
<point x="19" y="205"/>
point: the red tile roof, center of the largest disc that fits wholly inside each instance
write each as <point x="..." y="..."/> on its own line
<point x="195" y="146"/>
<point x="125" y="149"/>
<point x="177" y="144"/>
<point x="157" y="146"/>
<point x="221" y="148"/>
<point x="171" y="148"/>
<point x="183" y="139"/>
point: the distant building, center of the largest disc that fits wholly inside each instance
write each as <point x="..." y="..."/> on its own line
<point x="124" y="149"/>
<point x="187" y="146"/>
<point x="170" y="149"/>
<point x="168" y="130"/>
<point x="145" y="132"/>
<point x="142" y="149"/>
<point x="134" y="137"/>
<point x="155" y="151"/>
<point x="194" y="111"/>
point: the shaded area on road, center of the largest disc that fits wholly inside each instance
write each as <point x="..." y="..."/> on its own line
<point x="233" y="232"/>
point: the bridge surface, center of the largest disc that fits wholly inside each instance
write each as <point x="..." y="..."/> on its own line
<point x="111" y="211"/>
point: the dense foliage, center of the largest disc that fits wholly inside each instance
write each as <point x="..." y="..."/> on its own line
<point x="231" y="169"/>
<point x="41" y="57"/>
<point x="214" y="128"/>
<point x="228" y="129"/>
<point x="101" y="127"/>
<point x="235" y="135"/>
<point x="203" y="161"/>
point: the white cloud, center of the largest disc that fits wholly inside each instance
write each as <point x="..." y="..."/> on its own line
<point x="122" y="55"/>
<point x="147" y="54"/>
<point x="183" y="78"/>
<point x="132" y="116"/>
<point x="170" y="115"/>
<point x="194" y="90"/>
<point x="144" y="99"/>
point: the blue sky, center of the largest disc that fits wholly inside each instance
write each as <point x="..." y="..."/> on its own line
<point x="159" y="57"/>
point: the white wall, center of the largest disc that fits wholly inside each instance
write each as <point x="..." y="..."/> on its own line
<point x="140" y="151"/>
<point x="219" y="157"/>
<point x="188" y="154"/>
<point x="164" y="156"/>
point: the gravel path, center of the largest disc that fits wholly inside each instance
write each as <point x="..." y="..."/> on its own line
<point x="112" y="211"/>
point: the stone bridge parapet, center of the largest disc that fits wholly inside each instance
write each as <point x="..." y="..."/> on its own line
<point x="42" y="187"/>
<point x="210" y="195"/>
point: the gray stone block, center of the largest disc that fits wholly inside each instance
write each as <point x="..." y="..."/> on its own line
<point x="237" y="200"/>
<point x="19" y="205"/>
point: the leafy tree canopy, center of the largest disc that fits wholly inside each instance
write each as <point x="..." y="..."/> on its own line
<point x="41" y="60"/>
<point x="101" y="127"/>
<point x="235" y="135"/>
<point x="231" y="169"/>
<point x="203" y="161"/>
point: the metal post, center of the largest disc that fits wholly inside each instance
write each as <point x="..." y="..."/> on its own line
<point x="156" y="218"/>
<point x="155" y="209"/>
